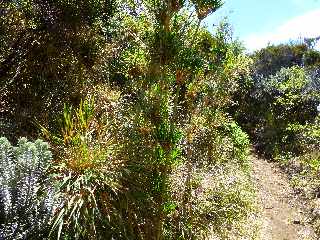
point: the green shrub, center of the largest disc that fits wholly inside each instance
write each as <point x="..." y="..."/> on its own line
<point x="276" y="104"/>
<point x="68" y="36"/>
<point x="25" y="202"/>
<point x="131" y="171"/>
<point x="128" y="163"/>
<point x="218" y="193"/>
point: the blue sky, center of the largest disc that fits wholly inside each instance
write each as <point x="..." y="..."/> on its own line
<point x="259" y="22"/>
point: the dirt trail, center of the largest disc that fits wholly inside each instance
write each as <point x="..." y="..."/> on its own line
<point x="282" y="218"/>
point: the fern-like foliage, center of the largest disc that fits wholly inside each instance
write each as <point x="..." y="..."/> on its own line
<point x="25" y="204"/>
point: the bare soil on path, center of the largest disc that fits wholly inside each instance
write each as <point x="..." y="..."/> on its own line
<point x="282" y="216"/>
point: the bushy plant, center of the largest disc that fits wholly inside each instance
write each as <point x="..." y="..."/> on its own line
<point x="277" y="102"/>
<point x="25" y="201"/>
<point x="144" y="140"/>
<point x="163" y="119"/>
<point x="70" y="37"/>
<point x="214" y="175"/>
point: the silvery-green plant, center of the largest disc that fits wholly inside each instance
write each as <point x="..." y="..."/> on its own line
<point x="25" y="202"/>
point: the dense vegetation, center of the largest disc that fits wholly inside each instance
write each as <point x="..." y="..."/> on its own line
<point x="143" y="109"/>
<point x="280" y="109"/>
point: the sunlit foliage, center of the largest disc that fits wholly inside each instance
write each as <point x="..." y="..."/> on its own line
<point x="137" y="92"/>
